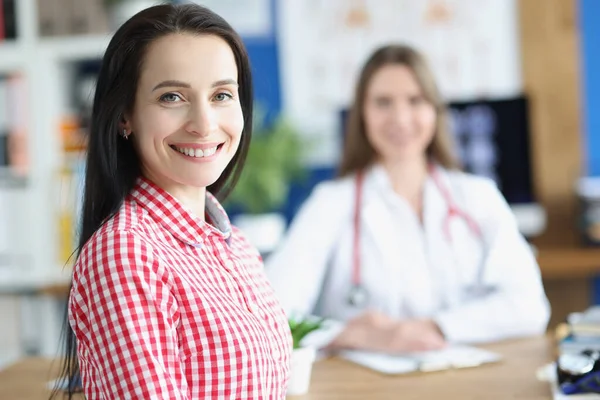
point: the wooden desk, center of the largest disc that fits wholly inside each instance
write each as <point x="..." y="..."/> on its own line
<point x="512" y="378"/>
<point x="27" y="379"/>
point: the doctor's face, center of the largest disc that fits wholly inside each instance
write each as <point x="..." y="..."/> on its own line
<point x="399" y="121"/>
<point x="187" y="119"/>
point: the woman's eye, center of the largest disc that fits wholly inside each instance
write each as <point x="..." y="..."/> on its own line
<point x="382" y="102"/>
<point x="416" y="100"/>
<point x="170" y="98"/>
<point x="222" y="96"/>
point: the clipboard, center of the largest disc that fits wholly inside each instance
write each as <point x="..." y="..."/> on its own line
<point x="451" y="357"/>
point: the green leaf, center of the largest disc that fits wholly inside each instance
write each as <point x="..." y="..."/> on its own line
<point x="274" y="161"/>
<point x="300" y="329"/>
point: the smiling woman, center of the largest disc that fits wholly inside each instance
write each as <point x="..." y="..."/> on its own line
<point x="169" y="300"/>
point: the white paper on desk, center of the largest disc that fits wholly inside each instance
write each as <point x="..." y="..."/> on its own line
<point x="453" y="356"/>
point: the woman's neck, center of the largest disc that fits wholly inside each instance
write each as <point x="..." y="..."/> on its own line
<point x="408" y="180"/>
<point x="194" y="199"/>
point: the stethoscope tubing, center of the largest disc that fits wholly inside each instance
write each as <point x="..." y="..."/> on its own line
<point x="358" y="294"/>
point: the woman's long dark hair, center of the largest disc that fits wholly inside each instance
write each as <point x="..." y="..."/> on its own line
<point x="112" y="165"/>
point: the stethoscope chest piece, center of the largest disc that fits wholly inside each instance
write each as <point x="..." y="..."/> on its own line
<point x="579" y="373"/>
<point x="358" y="296"/>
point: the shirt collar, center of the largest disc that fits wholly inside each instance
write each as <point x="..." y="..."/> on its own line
<point x="177" y="218"/>
<point x="380" y="177"/>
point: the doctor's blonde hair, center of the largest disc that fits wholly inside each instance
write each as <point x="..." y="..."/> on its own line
<point x="358" y="152"/>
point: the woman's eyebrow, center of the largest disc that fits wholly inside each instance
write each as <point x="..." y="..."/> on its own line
<point x="175" y="83"/>
<point x="172" y="83"/>
<point x="224" y="82"/>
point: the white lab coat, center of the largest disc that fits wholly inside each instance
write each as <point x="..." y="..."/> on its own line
<point x="409" y="269"/>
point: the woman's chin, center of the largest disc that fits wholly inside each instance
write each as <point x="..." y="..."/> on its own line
<point x="198" y="180"/>
<point x="404" y="156"/>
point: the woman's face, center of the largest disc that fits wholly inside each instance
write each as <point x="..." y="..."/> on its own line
<point x="187" y="119"/>
<point x="399" y="121"/>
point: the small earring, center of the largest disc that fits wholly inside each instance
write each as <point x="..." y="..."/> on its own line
<point x="125" y="134"/>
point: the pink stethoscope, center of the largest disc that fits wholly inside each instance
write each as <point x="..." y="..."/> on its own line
<point x="358" y="295"/>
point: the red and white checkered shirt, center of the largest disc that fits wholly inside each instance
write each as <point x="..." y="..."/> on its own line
<point x="166" y="306"/>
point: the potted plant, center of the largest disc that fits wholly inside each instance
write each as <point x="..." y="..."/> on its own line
<point x="303" y="357"/>
<point x="274" y="161"/>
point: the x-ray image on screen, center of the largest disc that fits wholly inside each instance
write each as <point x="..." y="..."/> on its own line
<point x="492" y="139"/>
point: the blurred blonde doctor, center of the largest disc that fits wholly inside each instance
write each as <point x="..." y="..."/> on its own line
<point x="405" y="250"/>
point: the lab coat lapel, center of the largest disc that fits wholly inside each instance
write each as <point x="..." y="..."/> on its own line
<point x="398" y="238"/>
<point x="442" y="261"/>
<point x="379" y="225"/>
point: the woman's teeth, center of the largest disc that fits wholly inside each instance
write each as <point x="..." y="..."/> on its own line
<point x="197" y="153"/>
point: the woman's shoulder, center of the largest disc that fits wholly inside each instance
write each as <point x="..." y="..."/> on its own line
<point x="474" y="184"/>
<point x="335" y="188"/>
<point x="328" y="199"/>
<point x="479" y="194"/>
<point x="126" y="220"/>
<point x="119" y="235"/>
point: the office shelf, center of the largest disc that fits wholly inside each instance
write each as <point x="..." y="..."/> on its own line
<point x="76" y="48"/>
<point x="11" y="56"/>
<point x="14" y="281"/>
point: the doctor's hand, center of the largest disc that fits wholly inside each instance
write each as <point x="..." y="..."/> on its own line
<point x="375" y="331"/>
<point x="416" y="335"/>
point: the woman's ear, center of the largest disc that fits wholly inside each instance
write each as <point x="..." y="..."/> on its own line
<point x="125" y="124"/>
<point x="125" y="127"/>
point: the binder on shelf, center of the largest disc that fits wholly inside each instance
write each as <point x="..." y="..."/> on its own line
<point x="70" y="186"/>
<point x="70" y="189"/>
<point x="17" y="123"/>
<point x="87" y="16"/>
<point x="4" y="124"/>
<point x="2" y="32"/>
<point x="66" y="218"/>
<point x="71" y="17"/>
<point x="53" y="17"/>
<point x="8" y="18"/>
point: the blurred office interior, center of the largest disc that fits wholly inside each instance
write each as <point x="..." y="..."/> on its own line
<point x="519" y="77"/>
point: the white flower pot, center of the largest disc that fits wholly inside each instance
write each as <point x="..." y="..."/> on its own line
<point x="301" y="368"/>
<point x="119" y="13"/>
<point x="263" y="230"/>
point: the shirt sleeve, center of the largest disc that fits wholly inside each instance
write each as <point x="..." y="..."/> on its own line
<point x="516" y="305"/>
<point x="124" y="318"/>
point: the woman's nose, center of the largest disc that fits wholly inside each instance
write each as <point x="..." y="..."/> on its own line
<point x="402" y="114"/>
<point x="202" y="120"/>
